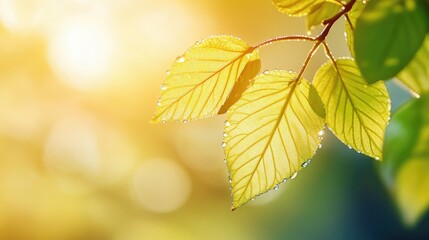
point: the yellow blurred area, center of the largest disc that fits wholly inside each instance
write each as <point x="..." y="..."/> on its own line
<point x="79" y="81"/>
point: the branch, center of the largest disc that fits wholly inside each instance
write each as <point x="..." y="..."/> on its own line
<point x="286" y="38"/>
<point x="320" y="39"/>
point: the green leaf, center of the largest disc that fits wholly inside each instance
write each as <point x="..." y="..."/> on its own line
<point x="416" y="74"/>
<point x="200" y="81"/>
<point x="326" y="11"/>
<point x="298" y="8"/>
<point x="355" y="112"/>
<point x="353" y="16"/>
<point x="406" y="165"/>
<point x="387" y="36"/>
<point x="401" y="137"/>
<point x="270" y="133"/>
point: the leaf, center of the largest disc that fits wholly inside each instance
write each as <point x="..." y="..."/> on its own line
<point x="353" y="15"/>
<point x="270" y="132"/>
<point x="416" y="74"/>
<point x="298" y="8"/>
<point x="401" y="137"/>
<point x="200" y="81"/>
<point x="324" y="12"/>
<point x="406" y="165"/>
<point x="387" y="36"/>
<point x="246" y="78"/>
<point x="412" y="190"/>
<point x="355" y="112"/>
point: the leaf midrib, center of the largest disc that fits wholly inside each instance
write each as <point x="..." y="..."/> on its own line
<point x="248" y="51"/>
<point x="276" y="125"/>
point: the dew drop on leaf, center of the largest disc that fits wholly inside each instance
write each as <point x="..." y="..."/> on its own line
<point x="227" y="124"/>
<point x="305" y="164"/>
<point x="276" y="187"/>
<point x="294" y="175"/>
<point x="180" y="59"/>
<point x="163" y="87"/>
<point x="223" y="144"/>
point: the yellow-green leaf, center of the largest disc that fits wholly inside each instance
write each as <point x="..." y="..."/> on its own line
<point x="324" y="12"/>
<point x="357" y="113"/>
<point x="270" y="133"/>
<point x="298" y="7"/>
<point x="200" y="81"/>
<point x="416" y="74"/>
<point x="412" y="190"/>
<point x="353" y="15"/>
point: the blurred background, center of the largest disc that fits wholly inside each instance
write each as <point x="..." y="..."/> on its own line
<point x="79" y="81"/>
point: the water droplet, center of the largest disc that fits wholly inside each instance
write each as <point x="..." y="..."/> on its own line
<point x="185" y="121"/>
<point x="364" y="1"/>
<point x="180" y="59"/>
<point x="284" y="180"/>
<point x="350" y="147"/>
<point x="229" y="180"/>
<point x="290" y="71"/>
<point x="223" y="144"/>
<point x="225" y="134"/>
<point x="167" y="73"/>
<point x="321" y="132"/>
<point x="224" y="160"/>
<point x="345" y="34"/>
<point x="294" y="175"/>
<point x="158" y="103"/>
<point x="308" y="32"/>
<point x="163" y="121"/>
<point x="276" y="187"/>
<point x="163" y="87"/>
<point x="305" y="164"/>
<point x="359" y="152"/>
<point x="377" y="158"/>
<point x="320" y="145"/>
<point x="227" y="124"/>
<point x="266" y="72"/>
<point x="343" y="8"/>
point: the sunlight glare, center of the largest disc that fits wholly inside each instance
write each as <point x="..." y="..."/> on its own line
<point x="81" y="53"/>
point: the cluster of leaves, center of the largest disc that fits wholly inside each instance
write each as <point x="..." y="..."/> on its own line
<point x="276" y="119"/>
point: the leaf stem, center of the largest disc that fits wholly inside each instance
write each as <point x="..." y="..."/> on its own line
<point x="322" y="36"/>
<point x="330" y="56"/>
<point x="307" y="60"/>
<point x="285" y="38"/>
<point x="349" y="21"/>
<point x="320" y="39"/>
